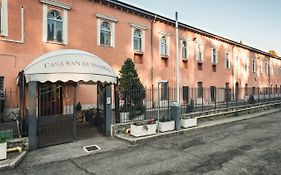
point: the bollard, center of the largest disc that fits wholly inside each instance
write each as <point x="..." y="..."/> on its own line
<point x="175" y="114"/>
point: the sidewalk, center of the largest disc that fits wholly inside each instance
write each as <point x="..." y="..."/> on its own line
<point x="70" y="150"/>
<point x="201" y="125"/>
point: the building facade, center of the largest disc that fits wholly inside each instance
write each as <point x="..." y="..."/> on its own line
<point x="115" y="31"/>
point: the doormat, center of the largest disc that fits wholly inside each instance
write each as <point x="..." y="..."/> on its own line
<point x="91" y="148"/>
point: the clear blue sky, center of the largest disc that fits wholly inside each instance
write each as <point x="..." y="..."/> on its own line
<point x="256" y="22"/>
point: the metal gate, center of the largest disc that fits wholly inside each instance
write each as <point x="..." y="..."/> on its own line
<point x="55" y="117"/>
<point x="101" y="107"/>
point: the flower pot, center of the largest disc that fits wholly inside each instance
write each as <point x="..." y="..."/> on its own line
<point x="190" y="122"/>
<point x="143" y="130"/>
<point x="166" y="126"/>
<point x="3" y="151"/>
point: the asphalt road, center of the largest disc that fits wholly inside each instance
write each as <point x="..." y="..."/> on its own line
<point x="245" y="147"/>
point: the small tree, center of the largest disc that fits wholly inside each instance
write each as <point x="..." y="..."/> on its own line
<point x="131" y="90"/>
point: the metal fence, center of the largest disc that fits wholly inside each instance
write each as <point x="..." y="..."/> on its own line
<point x="191" y="100"/>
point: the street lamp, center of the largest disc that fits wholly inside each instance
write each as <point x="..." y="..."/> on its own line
<point x="158" y="85"/>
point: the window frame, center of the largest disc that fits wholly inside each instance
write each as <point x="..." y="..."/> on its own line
<point x="164" y="46"/>
<point x="254" y="65"/>
<point x="200" y="89"/>
<point x="4" y="18"/>
<point x="184" y="49"/>
<point x="246" y="66"/>
<point x="111" y="21"/>
<point x="227" y="60"/>
<point x="199" y="53"/>
<point x="164" y="91"/>
<point x="214" y="56"/>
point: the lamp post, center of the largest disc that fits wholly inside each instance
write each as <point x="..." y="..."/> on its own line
<point x="158" y="106"/>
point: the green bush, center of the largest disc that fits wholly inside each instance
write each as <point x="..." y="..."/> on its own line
<point x="90" y="115"/>
<point x="190" y="106"/>
<point x="251" y="99"/>
<point x="132" y="91"/>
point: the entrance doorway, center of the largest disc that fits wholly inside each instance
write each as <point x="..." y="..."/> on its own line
<point x="52" y="117"/>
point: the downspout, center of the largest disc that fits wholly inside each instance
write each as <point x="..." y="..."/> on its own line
<point x="152" y="58"/>
<point x="21" y="41"/>
<point x="234" y="72"/>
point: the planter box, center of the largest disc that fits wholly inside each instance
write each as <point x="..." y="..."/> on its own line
<point x="143" y="130"/>
<point x="187" y="123"/>
<point x="3" y="151"/>
<point x="166" y="126"/>
<point x="124" y="117"/>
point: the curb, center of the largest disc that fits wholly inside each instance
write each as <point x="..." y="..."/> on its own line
<point x="13" y="162"/>
<point x="169" y="133"/>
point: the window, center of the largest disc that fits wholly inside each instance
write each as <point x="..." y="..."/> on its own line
<point x="237" y="64"/>
<point x="138" y="37"/>
<point x="199" y="53"/>
<point x="1" y="87"/>
<point x="106" y="30"/>
<point x="137" y="40"/>
<point x="214" y="56"/>
<point x="246" y="65"/>
<point x="253" y="65"/>
<point x="55" y="24"/>
<point x="213" y="93"/>
<point x="164" y="91"/>
<point x="200" y="90"/>
<point x="105" y="34"/>
<point x="184" y="49"/>
<point x="227" y="61"/>
<point x="185" y="93"/>
<point x="164" y="46"/>
<point x="4" y="17"/>
<point x="246" y="89"/>
<point x="266" y="68"/>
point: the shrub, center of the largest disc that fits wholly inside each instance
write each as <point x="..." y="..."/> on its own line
<point x="190" y="106"/>
<point x="131" y="90"/>
<point x="251" y="99"/>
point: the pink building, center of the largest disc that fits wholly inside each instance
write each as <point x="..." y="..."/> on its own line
<point x="115" y="31"/>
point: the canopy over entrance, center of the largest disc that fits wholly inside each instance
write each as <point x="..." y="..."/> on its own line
<point x="69" y="65"/>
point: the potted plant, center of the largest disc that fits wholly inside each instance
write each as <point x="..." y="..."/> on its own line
<point x="188" y="122"/>
<point x="3" y="149"/>
<point x="166" y="124"/>
<point x="79" y="112"/>
<point x="143" y="128"/>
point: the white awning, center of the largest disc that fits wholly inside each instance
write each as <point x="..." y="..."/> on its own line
<point x="69" y="65"/>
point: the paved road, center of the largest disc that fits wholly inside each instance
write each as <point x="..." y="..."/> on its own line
<point x="246" y="147"/>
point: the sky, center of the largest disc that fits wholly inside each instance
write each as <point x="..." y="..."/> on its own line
<point x="255" y="22"/>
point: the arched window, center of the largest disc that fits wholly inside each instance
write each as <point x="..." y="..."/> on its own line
<point x="164" y="46"/>
<point x="137" y="40"/>
<point x="184" y="50"/>
<point x="105" y="34"/>
<point x="54" y="26"/>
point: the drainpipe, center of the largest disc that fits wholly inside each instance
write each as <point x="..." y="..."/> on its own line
<point x="234" y="73"/>
<point x="177" y="60"/>
<point x="21" y="41"/>
<point x="152" y="59"/>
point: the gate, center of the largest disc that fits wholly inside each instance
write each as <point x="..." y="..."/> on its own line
<point x="55" y="117"/>
<point x="100" y="107"/>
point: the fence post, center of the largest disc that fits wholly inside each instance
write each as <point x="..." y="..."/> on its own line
<point x="202" y="99"/>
